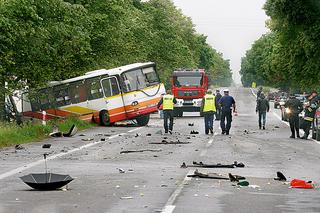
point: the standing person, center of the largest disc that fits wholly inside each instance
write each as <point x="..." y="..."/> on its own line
<point x="259" y="92"/>
<point x="167" y="101"/>
<point x="262" y="108"/>
<point x="310" y="112"/>
<point x="295" y="107"/>
<point x="208" y="108"/>
<point x="218" y="97"/>
<point x="226" y="103"/>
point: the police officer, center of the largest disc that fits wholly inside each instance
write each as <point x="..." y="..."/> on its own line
<point x="310" y="112"/>
<point x="218" y="97"/>
<point x="227" y="103"/>
<point x="208" y="108"/>
<point x="294" y="107"/>
<point x="167" y="101"/>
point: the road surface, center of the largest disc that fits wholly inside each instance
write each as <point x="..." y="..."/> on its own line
<point x="154" y="181"/>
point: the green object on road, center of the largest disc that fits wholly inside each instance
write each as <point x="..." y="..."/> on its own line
<point x="243" y="183"/>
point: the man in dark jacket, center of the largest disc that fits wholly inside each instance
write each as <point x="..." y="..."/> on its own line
<point x="259" y="93"/>
<point x="310" y="112"/>
<point x="218" y="108"/>
<point x="262" y="108"/>
<point x="293" y="108"/>
<point x="227" y="104"/>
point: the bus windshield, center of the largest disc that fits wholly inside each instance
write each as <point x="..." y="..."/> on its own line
<point x="195" y="81"/>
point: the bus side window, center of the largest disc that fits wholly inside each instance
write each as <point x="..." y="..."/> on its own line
<point x="74" y="92"/>
<point x="151" y="75"/>
<point x="94" y="88"/>
<point x="110" y="87"/>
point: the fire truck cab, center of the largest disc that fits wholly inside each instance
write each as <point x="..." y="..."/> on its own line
<point x="189" y="87"/>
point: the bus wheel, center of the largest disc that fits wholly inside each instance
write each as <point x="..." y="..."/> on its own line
<point x="143" y="120"/>
<point x="104" y="118"/>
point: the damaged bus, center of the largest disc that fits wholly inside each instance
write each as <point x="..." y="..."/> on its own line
<point x="129" y="92"/>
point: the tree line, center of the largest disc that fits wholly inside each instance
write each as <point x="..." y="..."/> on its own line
<point x="44" y="40"/>
<point x="287" y="56"/>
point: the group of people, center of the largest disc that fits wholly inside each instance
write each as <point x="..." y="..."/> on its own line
<point x="294" y="108"/>
<point x="214" y="106"/>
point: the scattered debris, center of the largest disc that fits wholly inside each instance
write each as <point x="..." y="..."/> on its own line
<point x="87" y="139"/>
<point x="18" y="147"/>
<point x="82" y="134"/>
<point x="142" y="150"/>
<point x="219" y="165"/>
<point x="277" y="127"/>
<point x="46" y="146"/>
<point x="164" y="185"/>
<point x="198" y="174"/>
<point x="121" y="170"/>
<point x="301" y="184"/>
<point x="171" y="142"/>
<point x="190" y="124"/>
<point x="126" y="198"/>
<point x="149" y="134"/>
<point x="243" y="183"/>
<point x="102" y="139"/>
<point x="56" y="133"/>
<point x="137" y="135"/>
<point x="280" y="177"/>
<point x="193" y="132"/>
<point x="254" y="186"/>
<point x="235" y="178"/>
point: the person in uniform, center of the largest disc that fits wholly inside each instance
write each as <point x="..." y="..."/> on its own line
<point x="208" y="108"/>
<point x="309" y="114"/>
<point x="294" y="107"/>
<point x="167" y="101"/>
<point x="227" y="103"/>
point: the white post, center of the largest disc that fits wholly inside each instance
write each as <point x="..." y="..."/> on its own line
<point x="44" y="114"/>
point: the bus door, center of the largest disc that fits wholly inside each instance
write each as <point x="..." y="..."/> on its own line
<point x="113" y="99"/>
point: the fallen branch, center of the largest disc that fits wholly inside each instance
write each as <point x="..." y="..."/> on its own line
<point x="142" y="150"/>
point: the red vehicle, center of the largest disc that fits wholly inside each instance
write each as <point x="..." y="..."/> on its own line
<point x="189" y="87"/>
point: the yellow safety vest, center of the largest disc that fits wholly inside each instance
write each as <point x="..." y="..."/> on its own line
<point x="209" y="103"/>
<point x="168" y="102"/>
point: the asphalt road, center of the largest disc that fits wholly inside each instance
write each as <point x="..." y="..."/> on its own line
<point x="154" y="181"/>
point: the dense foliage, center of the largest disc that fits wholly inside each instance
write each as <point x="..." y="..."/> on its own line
<point x="288" y="56"/>
<point x="43" y="40"/>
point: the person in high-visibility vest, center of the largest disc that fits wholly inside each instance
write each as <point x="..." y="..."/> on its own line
<point x="208" y="109"/>
<point x="167" y="101"/>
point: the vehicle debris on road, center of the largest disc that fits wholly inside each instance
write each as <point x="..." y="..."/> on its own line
<point x="56" y="133"/>
<point x="46" y="146"/>
<point x="169" y="142"/>
<point x="219" y="165"/>
<point x="198" y="174"/>
<point x="193" y="132"/>
<point x="18" y="147"/>
<point x="301" y="184"/>
<point x="141" y="150"/>
<point x="280" y="177"/>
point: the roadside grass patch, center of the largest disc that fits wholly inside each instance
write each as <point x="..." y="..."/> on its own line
<point x="11" y="134"/>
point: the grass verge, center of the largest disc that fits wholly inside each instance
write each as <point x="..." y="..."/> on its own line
<point x="11" y="134"/>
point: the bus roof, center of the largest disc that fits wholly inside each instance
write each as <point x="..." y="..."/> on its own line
<point x="113" y="71"/>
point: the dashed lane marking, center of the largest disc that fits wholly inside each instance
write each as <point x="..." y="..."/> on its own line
<point x="169" y="207"/>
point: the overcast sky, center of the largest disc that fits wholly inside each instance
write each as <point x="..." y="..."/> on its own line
<point x="231" y="25"/>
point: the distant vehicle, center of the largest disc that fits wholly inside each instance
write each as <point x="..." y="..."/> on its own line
<point x="189" y="87"/>
<point x="104" y="96"/>
<point x="280" y="101"/>
<point x="316" y="126"/>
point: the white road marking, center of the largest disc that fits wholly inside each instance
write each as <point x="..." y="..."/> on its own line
<point x="30" y="165"/>
<point x="169" y="207"/>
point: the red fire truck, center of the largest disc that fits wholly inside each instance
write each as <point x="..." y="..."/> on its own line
<point x="189" y="87"/>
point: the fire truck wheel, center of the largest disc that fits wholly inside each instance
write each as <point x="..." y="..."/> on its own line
<point x="143" y="120"/>
<point x="104" y="118"/>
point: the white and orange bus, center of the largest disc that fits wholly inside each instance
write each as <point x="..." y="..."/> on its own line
<point x="104" y="96"/>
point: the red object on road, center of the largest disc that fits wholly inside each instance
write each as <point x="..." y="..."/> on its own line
<point x="301" y="184"/>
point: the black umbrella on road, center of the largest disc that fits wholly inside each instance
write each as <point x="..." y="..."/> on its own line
<point x="46" y="181"/>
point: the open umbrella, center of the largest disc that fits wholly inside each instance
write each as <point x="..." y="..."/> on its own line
<point x="46" y="181"/>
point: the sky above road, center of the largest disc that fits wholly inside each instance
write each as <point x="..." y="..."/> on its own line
<point x="231" y="25"/>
